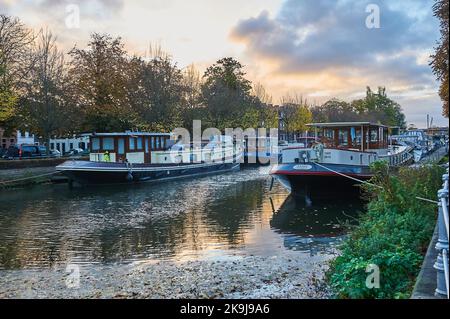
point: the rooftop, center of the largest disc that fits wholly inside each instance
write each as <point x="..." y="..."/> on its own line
<point x="131" y="134"/>
<point x="345" y="124"/>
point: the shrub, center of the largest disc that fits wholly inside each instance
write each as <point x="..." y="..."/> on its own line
<point x="393" y="234"/>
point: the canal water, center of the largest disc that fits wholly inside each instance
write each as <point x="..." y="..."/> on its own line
<point x="210" y="218"/>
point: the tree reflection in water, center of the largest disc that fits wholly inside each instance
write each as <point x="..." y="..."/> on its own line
<point x="211" y="217"/>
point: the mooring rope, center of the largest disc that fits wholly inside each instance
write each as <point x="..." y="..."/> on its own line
<point x="365" y="182"/>
<point x="350" y="177"/>
<point x="28" y="178"/>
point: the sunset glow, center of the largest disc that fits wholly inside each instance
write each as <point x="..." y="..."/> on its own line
<point x="318" y="49"/>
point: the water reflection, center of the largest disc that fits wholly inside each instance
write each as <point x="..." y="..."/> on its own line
<point x="211" y="217"/>
<point x="314" y="226"/>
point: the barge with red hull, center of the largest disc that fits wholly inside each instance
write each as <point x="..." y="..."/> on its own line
<point x="338" y="159"/>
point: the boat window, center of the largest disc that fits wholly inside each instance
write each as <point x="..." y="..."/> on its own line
<point x="357" y="137"/>
<point x="343" y="138"/>
<point x="328" y="133"/>
<point x="146" y="145"/>
<point x="95" y="144"/>
<point x="121" y="146"/>
<point x="373" y="135"/>
<point x="132" y="145"/>
<point x="157" y="143"/>
<point x="153" y="142"/>
<point x="139" y="143"/>
<point x="163" y="143"/>
<point x="328" y="137"/>
<point x="108" y="144"/>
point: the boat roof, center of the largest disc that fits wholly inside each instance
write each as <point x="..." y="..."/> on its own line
<point x="131" y="134"/>
<point x="344" y="124"/>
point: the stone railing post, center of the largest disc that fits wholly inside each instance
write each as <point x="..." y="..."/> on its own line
<point x="442" y="244"/>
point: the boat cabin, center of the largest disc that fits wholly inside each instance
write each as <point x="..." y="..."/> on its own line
<point x="348" y="143"/>
<point x="133" y="147"/>
<point x="356" y="136"/>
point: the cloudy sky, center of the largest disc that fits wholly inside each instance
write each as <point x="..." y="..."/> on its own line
<point x="316" y="48"/>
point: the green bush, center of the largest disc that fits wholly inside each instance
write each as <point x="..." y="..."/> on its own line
<point x="444" y="160"/>
<point x="393" y="234"/>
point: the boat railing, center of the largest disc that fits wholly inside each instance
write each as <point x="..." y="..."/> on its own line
<point x="399" y="158"/>
<point x="207" y="154"/>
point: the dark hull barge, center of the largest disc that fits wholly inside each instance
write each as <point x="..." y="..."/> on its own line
<point x="338" y="159"/>
<point x="97" y="173"/>
<point x="314" y="177"/>
<point x="134" y="157"/>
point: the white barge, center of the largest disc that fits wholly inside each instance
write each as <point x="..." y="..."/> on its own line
<point x="338" y="156"/>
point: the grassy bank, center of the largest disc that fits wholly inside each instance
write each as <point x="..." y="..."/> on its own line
<point x="393" y="234"/>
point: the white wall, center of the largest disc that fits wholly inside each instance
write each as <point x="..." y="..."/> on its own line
<point x="207" y="155"/>
<point x="136" y="158"/>
<point x="67" y="141"/>
<point x="98" y="157"/>
<point x="332" y="156"/>
<point x="25" y="138"/>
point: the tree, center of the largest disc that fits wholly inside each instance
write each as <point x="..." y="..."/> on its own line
<point x="295" y="117"/>
<point x="8" y="102"/>
<point x="295" y="114"/>
<point x="44" y="104"/>
<point x="439" y="61"/>
<point x="15" y="65"/>
<point x="193" y="84"/>
<point x="226" y="93"/>
<point x="267" y="113"/>
<point x="260" y="92"/>
<point x="158" y="92"/>
<point x="378" y="108"/>
<point x="375" y="107"/>
<point x="99" y="76"/>
<point x="269" y="116"/>
<point x="192" y="108"/>
<point x="335" y="110"/>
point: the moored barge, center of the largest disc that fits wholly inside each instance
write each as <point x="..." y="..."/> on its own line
<point x="133" y="157"/>
<point x="338" y="158"/>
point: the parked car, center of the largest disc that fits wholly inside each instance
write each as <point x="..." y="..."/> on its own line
<point x="25" y="151"/>
<point x="43" y="150"/>
<point x="55" y="153"/>
<point x="85" y="152"/>
<point x="75" y="152"/>
<point x="2" y="152"/>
